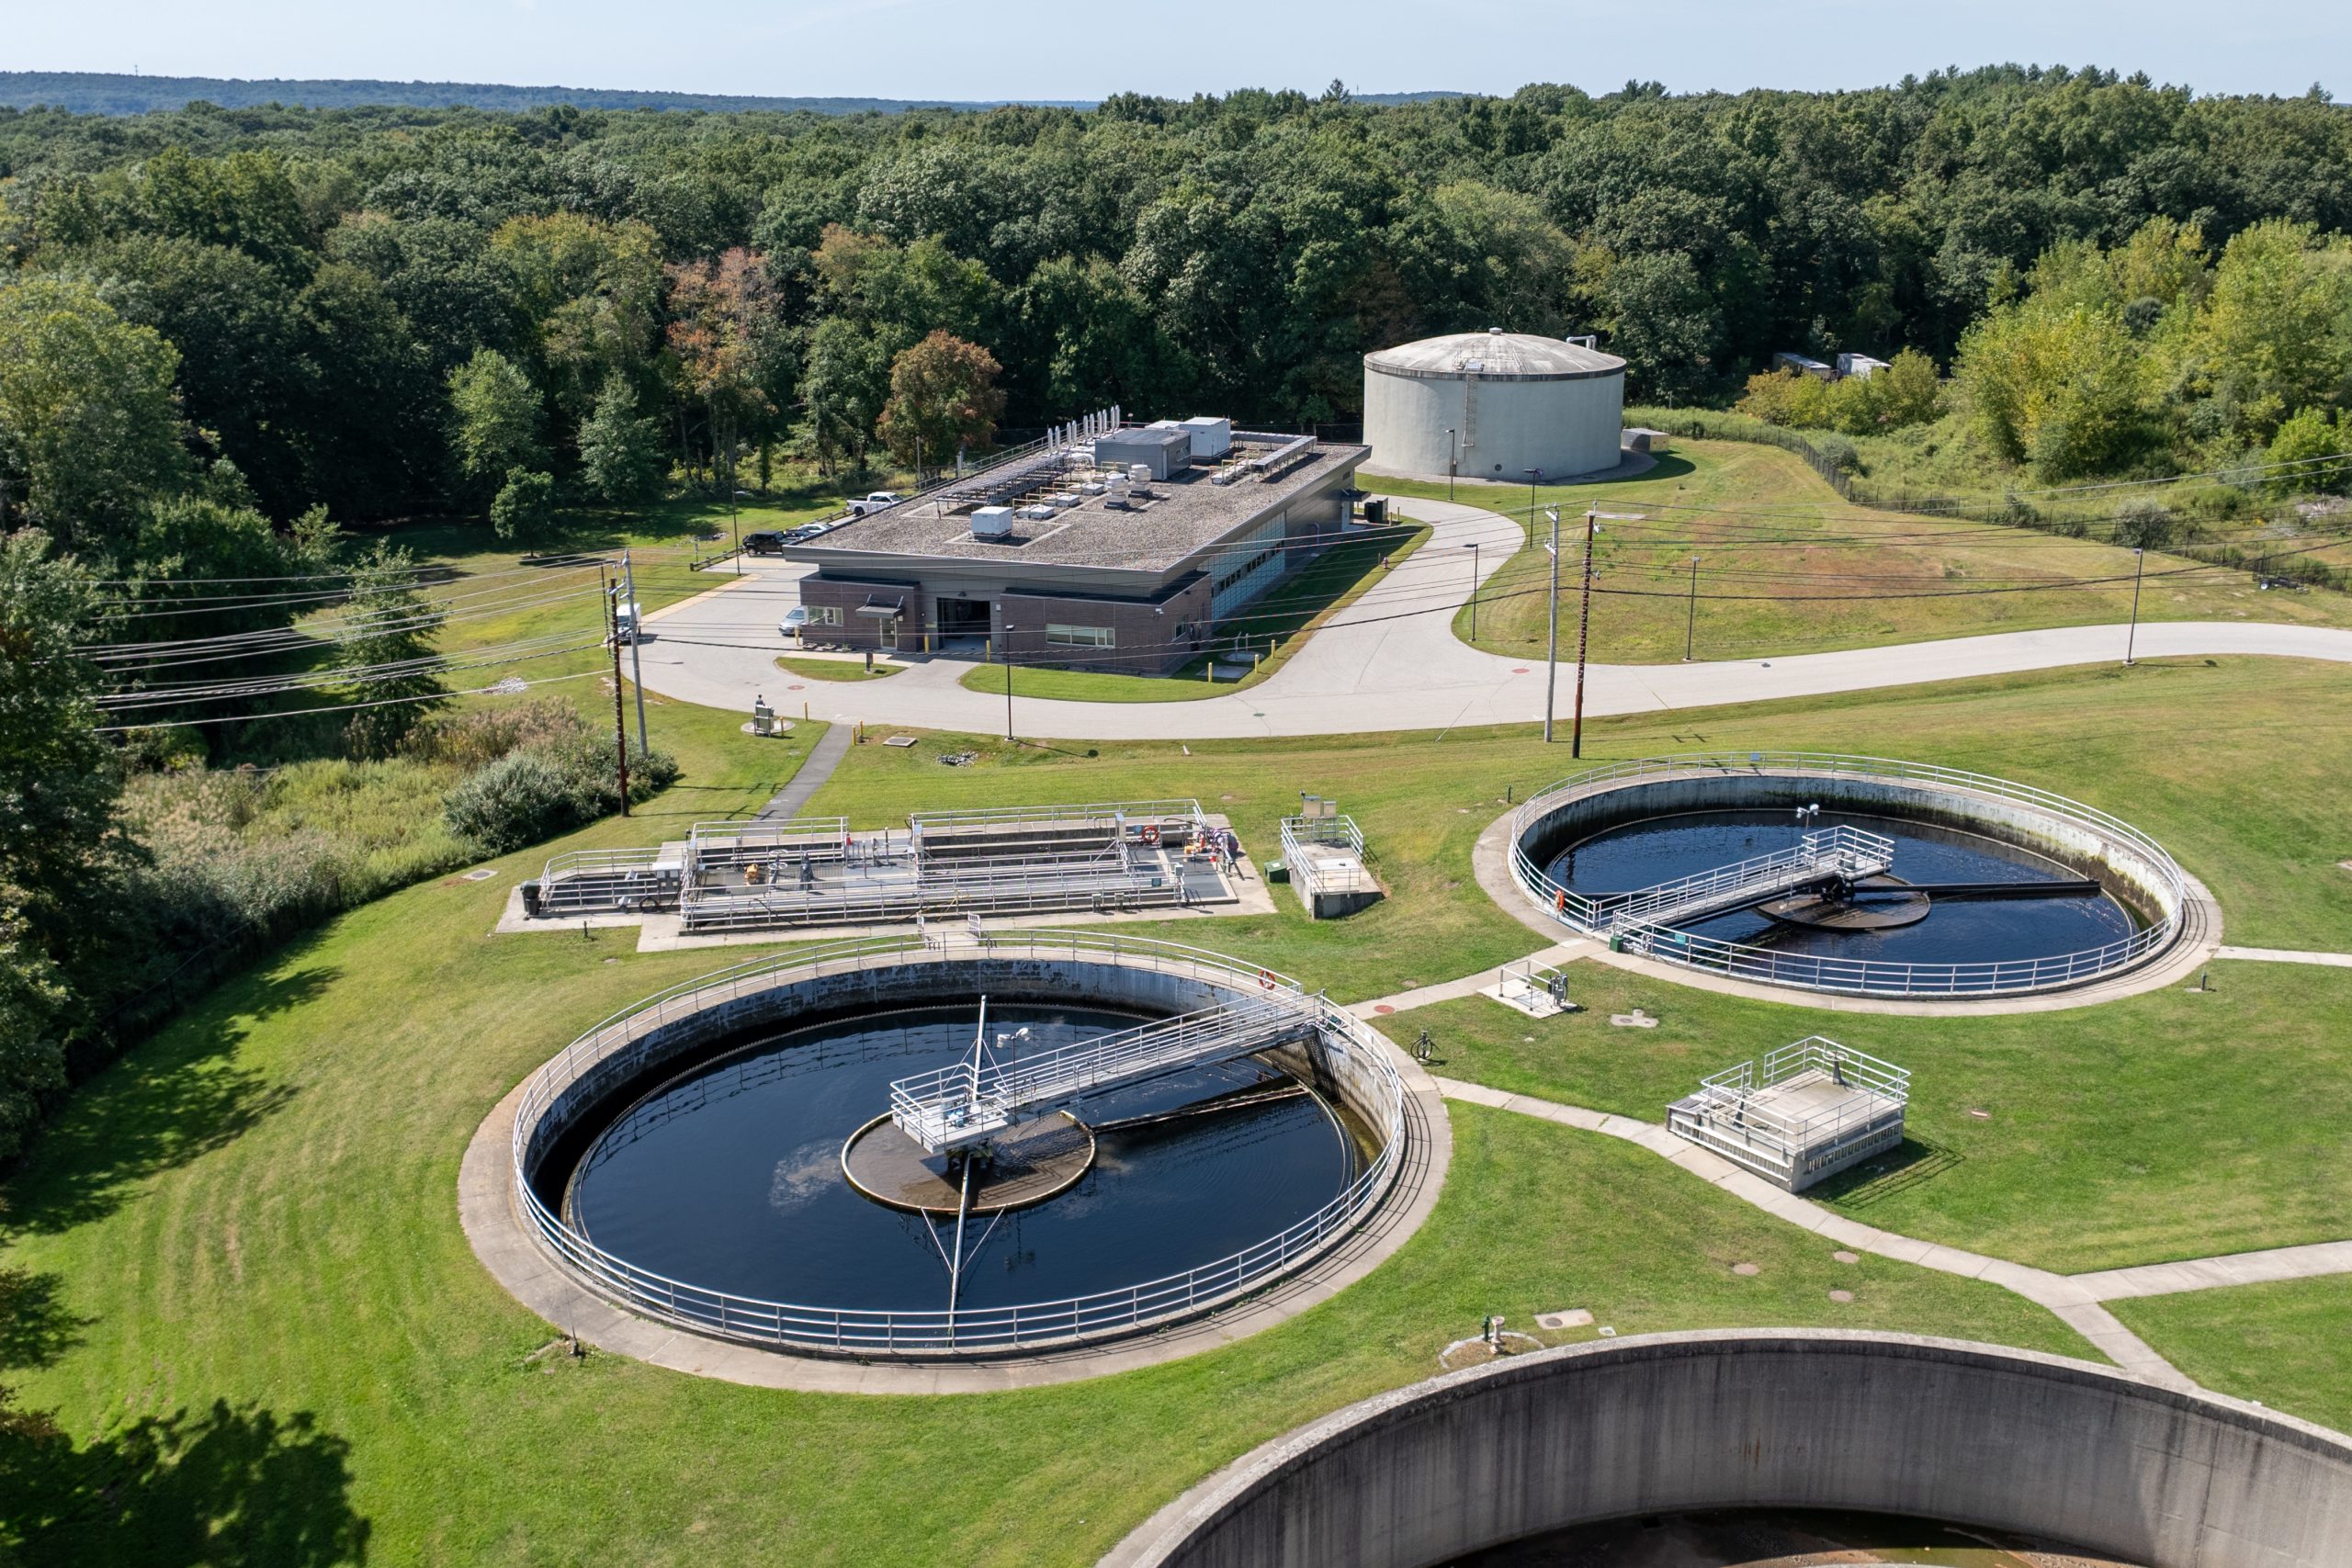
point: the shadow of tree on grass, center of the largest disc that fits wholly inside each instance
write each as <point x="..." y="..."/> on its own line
<point x="229" y="1484"/>
<point x="167" y="1102"/>
<point x="36" y="1327"/>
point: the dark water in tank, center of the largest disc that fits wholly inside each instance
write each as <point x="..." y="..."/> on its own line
<point x="730" y="1175"/>
<point x="1775" y="1538"/>
<point x="1642" y="854"/>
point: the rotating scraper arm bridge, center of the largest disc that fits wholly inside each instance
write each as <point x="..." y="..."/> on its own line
<point x="1841" y="853"/>
<point x="956" y="1107"/>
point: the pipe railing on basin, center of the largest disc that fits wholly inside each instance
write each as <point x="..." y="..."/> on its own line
<point x="1815" y="972"/>
<point x="1351" y="1050"/>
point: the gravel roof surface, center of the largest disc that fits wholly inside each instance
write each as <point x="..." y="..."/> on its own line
<point x="1188" y="515"/>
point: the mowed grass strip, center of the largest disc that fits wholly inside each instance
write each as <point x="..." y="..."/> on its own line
<point x="2287" y="1344"/>
<point x="1772" y="540"/>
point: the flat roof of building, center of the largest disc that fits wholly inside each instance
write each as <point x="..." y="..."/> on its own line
<point x="1186" y="516"/>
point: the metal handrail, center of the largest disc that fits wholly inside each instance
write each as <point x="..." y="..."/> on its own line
<point x="1842" y="850"/>
<point x="1817" y="972"/>
<point x="868" y="1332"/>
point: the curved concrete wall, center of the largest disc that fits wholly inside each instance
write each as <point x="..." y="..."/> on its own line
<point x="2131" y="874"/>
<point x="1969" y="1434"/>
<point x="1563" y="425"/>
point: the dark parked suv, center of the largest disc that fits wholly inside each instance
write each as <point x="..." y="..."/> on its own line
<point x="763" y="544"/>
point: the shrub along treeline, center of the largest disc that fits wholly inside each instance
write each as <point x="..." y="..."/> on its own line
<point x="2155" y="356"/>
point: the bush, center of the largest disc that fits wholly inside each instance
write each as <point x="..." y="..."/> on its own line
<point x="474" y="740"/>
<point x="1838" y="453"/>
<point x="2144" y="524"/>
<point x="546" y="790"/>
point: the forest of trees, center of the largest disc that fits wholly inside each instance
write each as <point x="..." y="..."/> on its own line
<point x="389" y="311"/>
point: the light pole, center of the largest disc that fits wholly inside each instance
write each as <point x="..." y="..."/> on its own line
<point x="2131" y="638"/>
<point x="1472" y="547"/>
<point x="1452" y="462"/>
<point x="1691" y="627"/>
<point x="1552" y="615"/>
<point x="1004" y="651"/>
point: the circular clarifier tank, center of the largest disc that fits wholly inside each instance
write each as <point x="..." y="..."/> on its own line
<point x="878" y="1152"/>
<point x="765" y="1171"/>
<point x="2006" y="903"/>
<point x="1857" y="875"/>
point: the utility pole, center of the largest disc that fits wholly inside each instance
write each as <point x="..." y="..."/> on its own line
<point x="1552" y="615"/>
<point x="1584" y="631"/>
<point x="620" y="723"/>
<point x="732" y="526"/>
<point x="636" y="635"/>
<point x="1452" y="461"/>
<point x="2131" y="638"/>
<point x="1691" y="627"/>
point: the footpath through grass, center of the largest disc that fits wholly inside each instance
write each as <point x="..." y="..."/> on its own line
<point x="1277" y="626"/>
<point x="1787" y="566"/>
<point x="834" y="669"/>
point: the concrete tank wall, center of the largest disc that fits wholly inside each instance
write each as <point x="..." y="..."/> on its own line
<point x="1563" y="425"/>
<point x="1969" y="1434"/>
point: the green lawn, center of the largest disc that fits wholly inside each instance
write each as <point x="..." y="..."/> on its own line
<point x="1277" y="627"/>
<point x="2170" y="1126"/>
<point x="2288" y="1345"/>
<point x="1771" y="537"/>
<point x="834" y="669"/>
<point x="247" y="1230"/>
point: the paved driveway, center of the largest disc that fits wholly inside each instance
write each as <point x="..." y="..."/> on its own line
<point x="1390" y="662"/>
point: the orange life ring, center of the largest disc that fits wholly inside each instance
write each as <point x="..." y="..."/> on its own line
<point x="1151" y="833"/>
<point x="1266" y="978"/>
<point x="1560" y="901"/>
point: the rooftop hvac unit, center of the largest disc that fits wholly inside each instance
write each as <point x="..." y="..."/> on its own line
<point x="1036" y="513"/>
<point x="1211" y="437"/>
<point x="1091" y="487"/>
<point x="992" y="523"/>
<point x="1139" y="473"/>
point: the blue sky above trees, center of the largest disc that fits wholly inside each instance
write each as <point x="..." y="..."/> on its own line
<point x="951" y="49"/>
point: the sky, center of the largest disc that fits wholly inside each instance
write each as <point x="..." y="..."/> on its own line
<point x="966" y="49"/>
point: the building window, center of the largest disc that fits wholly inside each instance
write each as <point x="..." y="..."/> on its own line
<point x="1080" y="637"/>
<point x="824" y="614"/>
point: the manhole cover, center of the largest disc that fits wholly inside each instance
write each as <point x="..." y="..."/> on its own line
<point x="1383" y="1006"/>
<point x="1843" y="1256"/>
<point x="480" y="874"/>
<point x="1841" y="1296"/>
<point x="1575" y="1318"/>
<point x="1520" y="671"/>
<point x="795" y="688"/>
<point x="1746" y="1270"/>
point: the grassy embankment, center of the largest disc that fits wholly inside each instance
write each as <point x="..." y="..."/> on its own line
<point x="257" y="1208"/>
<point x="1278" y="627"/>
<point x="1772" y="538"/>
<point x="2288" y="1345"/>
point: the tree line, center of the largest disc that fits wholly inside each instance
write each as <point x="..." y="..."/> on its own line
<point x="391" y="311"/>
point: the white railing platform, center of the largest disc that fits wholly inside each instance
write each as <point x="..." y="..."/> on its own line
<point x="956" y="1107"/>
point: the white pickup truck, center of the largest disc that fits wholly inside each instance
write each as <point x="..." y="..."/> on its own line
<point x="874" y="502"/>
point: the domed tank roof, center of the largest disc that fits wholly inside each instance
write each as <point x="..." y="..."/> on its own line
<point x="1495" y="355"/>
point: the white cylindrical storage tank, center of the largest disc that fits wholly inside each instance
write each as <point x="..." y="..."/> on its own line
<point x="1513" y="402"/>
